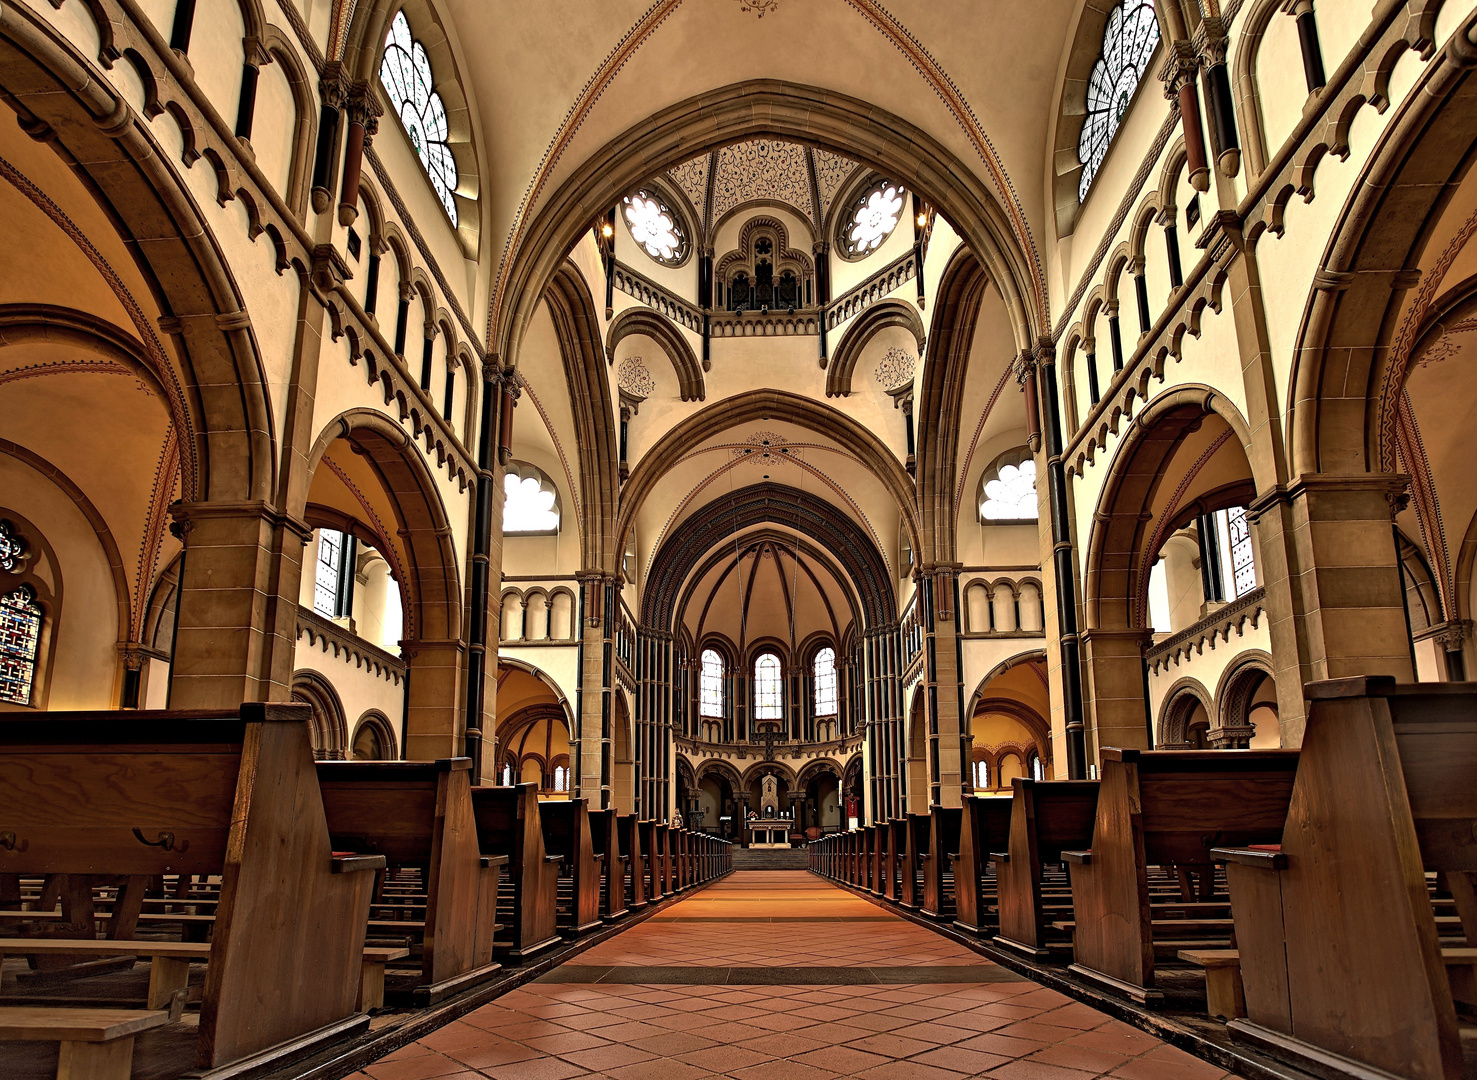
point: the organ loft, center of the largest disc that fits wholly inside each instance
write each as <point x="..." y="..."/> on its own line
<point x="746" y="539"/>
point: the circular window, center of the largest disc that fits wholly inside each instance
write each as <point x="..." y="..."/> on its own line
<point x="656" y="227"/>
<point x="1008" y="488"/>
<point x="872" y="217"/>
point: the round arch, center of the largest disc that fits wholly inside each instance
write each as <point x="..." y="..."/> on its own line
<point x="1180" y="703"/>
<point x="328" y="728"/>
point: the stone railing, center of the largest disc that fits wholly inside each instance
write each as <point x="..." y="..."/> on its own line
<point x="837" y="749"/>
<point x="1216" y="627"/>
<point x="661" y="301"/>
<point x="337" y="641"/>
<point x="736" y="324"/>
<point x="879" y="285"/>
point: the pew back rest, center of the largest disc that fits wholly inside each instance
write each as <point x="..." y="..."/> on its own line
<point x="1193" y="800"/>
<point x="991" y="822"/>
<point x="385" y="807"/>
<point x="561" y="825"/>
<point x="508" y="821"/>
<point x="1059" y="813"/>
<point x="1436" y="735"/>
<point x="944" y="829"/>
<point x="75" y="786"/>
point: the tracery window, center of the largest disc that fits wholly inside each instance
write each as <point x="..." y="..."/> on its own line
<point x="873" y="216"/>
<point x="656" y="227"/>
<point x="20" y="644"/>
<point x="825" y="682"/>
<point x="530" y="501"/>
<point x="1009" y="490"/>
<point x="1129" y="41"/>
<point x="561" y="778"/>
<point x="12" y="549"/>
<point x="768" y="696"/>
<point x="405" y="73"/>
<point x="710" y="685"/>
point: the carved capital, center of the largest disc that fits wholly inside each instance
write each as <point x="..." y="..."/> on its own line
<point x="334" y="85"/>
<point x="364" y="108"/>
<point x="1180" y="66"/>
<point x="1025" y="366"/>
<point x="1211" y="40"/>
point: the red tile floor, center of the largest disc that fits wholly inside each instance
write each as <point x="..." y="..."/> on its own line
<point x="694" y="1020"/>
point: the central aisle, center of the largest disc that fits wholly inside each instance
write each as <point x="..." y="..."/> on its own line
<point x="780" y="975"/>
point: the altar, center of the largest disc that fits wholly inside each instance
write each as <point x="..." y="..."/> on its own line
<point x="769" y="827"/>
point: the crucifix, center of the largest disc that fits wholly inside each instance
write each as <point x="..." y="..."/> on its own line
<point x="770" y="735"/>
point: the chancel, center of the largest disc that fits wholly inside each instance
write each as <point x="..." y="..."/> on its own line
<point x="766" y="539"/>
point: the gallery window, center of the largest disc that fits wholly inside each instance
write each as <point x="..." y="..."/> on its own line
<point x="825" y="682"/>
<point x="768" y="695"/>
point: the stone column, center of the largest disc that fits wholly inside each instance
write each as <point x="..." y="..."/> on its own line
<point x="597" y="663"/>
<point x="1115" y="678"/>
<point x="1326" y="549"/>
<point x="936" y="584"/>
<point x="435" y="725"/>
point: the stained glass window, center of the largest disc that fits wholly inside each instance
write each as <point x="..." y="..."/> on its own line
<point x="405" y="73"/>
<point x="1129" y="41"/>
<point x="825" y="682"/>
<point x="20" y="641"/>
<point x="768" y="696"/>
<point x="710" y="688"/>
<point x="1010" y="495"/>
<point x="12" y="548"/>
<point x="873" y="217"/>
<point x="656" y="227"/>
<point x="330" y="567"/>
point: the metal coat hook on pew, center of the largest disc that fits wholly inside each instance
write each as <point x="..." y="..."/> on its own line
<point x="165" y="841"/>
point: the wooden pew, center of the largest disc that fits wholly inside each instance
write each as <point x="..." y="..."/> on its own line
<point x="508" y="820"/>
<point x="1163" y="808"/>
<point x="419" y="813"/>
<point x="984" y="825"/>
<point x="605" y="833"/>
<point x="566" y="825"/>
<point x="1338" y="944"/>
<point x="630" y="838"/>
<point x="651" y="838"/>
<point x="233" y="794"/>
<point x="943" y="843"/>
<point x="915" y="843"/>
<point x="96" y="1044"/>
<point x="1046" y="818"/>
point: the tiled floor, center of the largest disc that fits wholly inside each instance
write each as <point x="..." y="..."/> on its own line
<point x="691" y="1021"/>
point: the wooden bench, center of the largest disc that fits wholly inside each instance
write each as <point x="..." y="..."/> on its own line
<point x="605" y="834"/>
<point x="915" y="844"/>
<point x="1046" y="818"/>
<point x="1340" y="947"/>
<point x="566" y="826"/>
<point x="1223" y="995"/>
<point x="233" y="794"/>
<point x="419" y="813"/>
<point x="984" y="826"/>
<point x="1162" y="808"/>
<point x="96" y="1044"/>
<point x="508" y="820"/>
<point x="652" y="838"/>
<point x="943" y="843"/>
<point x="629" y="828"/>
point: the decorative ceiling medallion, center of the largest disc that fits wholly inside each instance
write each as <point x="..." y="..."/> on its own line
<point x="762" y="170"/>
<point x="765" y="448"/>
<point x="896" y="368"/>
<point x="634" y="378"/>
<point x="760" y="8"/>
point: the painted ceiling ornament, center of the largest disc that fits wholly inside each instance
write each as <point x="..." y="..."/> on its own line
<point x="760" y="8"/>
<point x="1445" y="347"/>
<point x="13" y="550"/>
<point x="896" y="368"/>
<point x="765" y="448"/>
<point x="635" y="378"/>
<point x="873" y="217"/>
<point x="656" y="227"/>
<point x="761" y="170"/>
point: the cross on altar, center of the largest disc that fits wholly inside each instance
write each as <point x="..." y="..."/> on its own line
<point x="771" y="735"/>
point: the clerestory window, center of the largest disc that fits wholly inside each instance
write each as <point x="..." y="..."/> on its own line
<point x="405" y="73"/>
<point x="1129" y="40"/>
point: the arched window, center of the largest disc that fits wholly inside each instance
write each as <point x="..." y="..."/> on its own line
<point x="1034" y="768"/>
<point x="561" y="778"/>
<point x="20" y="644"/>
<point x="333" y="580"/>
<point x="507" y="780"/>
<point x="405" y="73"/>
<point x="871" y="218"/>
<point x="768" y="696"/>
<point x="981" y="775"/>
<point x="825" y="682"/>
<point x="710" y="689"/>
<point x="1008" y="488"/>
<point x="1129" y="40"/>
<point x="530" y="503"/>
